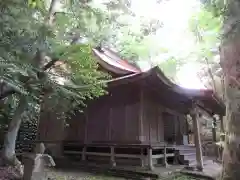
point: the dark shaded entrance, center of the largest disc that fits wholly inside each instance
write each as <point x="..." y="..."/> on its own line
<point x="172" y="129"/>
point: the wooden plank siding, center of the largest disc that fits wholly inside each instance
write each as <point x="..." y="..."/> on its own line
<point x="151" y="119"/>
<point x="50" y="127"/>
<point x="128" y="114"/>
<point x="111" y="118"/>
<point x="156" y="126"/>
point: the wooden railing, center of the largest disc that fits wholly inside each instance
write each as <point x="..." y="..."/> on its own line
<point x="145" y="153"/>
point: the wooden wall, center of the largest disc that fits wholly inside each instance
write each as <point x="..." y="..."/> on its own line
<point x="152" y="124"/>
<point x="75" y="127"/>
<point x="111" y="118"/>
<point x="50" y="127"/>
<point x="128" y="114"/>
<point x="156" y="126"/>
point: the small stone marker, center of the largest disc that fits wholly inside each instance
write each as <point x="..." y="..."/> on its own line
<point x="34" y="164"/>
<point x="39" y="148"/>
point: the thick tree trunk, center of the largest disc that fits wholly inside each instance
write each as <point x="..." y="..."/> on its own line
<point x="230" y="62"/>
<point x="8" y="153"/>
<point x="231" y="154"/>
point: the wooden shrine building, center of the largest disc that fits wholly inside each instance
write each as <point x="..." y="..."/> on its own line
<point x="141" y="121"/>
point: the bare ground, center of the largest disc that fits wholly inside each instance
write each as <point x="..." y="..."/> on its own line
<point x="8" y="173"/>
<point x="57" y="174"/>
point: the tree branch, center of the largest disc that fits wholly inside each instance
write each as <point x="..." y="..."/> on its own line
<point x="50" y="64"/>
<point x="211" y="75"/>
<point x="39" y="56"/>
<point x="7" y="93"/>
<point x="51" y="12"/>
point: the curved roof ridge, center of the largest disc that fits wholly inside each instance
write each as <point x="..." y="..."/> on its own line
<point x="113" y="59"/>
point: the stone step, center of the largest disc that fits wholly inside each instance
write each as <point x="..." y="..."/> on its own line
<point x="186" y="151"/>
<point x="193" y="162"/>
<point x="183" y="158"/>
<point x="185" y="147"/>
<point x="205" y="162"/>
<point x="186" y="159"/>
<point x="189" y="155"/>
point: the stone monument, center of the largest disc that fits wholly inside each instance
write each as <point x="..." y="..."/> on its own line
<point x="35" y="163"/>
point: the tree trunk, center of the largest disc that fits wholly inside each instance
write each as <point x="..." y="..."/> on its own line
<point x="231" y="154"/>
<point x="8" y="153"/>
<point x="230" y="62"/>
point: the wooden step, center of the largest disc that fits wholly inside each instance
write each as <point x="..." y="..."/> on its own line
<point x="192" y="161"/>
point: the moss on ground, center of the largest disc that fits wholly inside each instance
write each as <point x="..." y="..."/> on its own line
<point x="181" y="177"/>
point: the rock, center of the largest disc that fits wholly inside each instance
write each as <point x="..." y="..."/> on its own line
<point x="40" y="148"/>
<point x="34" y="165"/>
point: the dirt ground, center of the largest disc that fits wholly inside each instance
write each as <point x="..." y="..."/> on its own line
<point x="56" y="174"/>
<point x="74" y="175"/>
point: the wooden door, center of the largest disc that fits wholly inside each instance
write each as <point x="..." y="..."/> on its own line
<point x="169" y="127"/>
<point x="179" y="130"/>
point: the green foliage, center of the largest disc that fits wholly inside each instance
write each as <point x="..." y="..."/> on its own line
<point x="24" y="35"/>
<point x="170" y="67"/>
<point x="81" y="75"/>
<point x="217" y="7"/>
<point x="134" y="37"/>
<point x="21" y="36"/>
<point x="111" y="24"/>
<point x="206" y="29"/>
<point x="7" y="108"/>
<point x="228" y="12"/>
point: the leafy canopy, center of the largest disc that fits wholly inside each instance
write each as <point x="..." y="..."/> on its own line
<point x="26" y="42"/>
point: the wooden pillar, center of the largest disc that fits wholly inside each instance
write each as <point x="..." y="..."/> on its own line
<point x="86" y="127"/>
<point x="221" y="124"/>
<point x="113" y="163"/>
<point x="142" y="157"/>
<point x="175" y="130"/>
<point x="150" y="161"/>
<point x="141" y="116"/>
<point x="222" y="138"/>
<point x="84" y="153"/>
<point x="110" y="124"/>
<point x="214" y="136"/>
<point x="187" y="129"/>
<point x="195" y="117"/>
<point x="165" y="156"/>
<point x="214" y="126"/>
